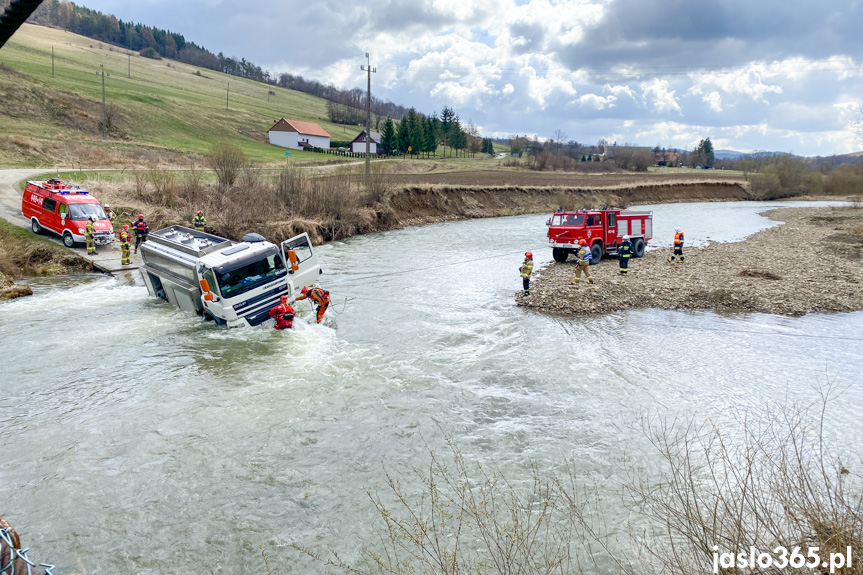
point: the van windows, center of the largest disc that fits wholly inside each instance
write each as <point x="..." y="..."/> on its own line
<point x="64" y="211"/>
<point x="49" y="205"/>
<point x="81" y="212"/>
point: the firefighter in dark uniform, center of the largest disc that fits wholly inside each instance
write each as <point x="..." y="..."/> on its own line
<point x="200" y="221"/>
<point x="90" y="236"/>
<point x="525" y="270"/>
<point x="678" y="246"/>
<point x="320" y="296"/>
<point x="125" y="246"/>
<point x="283" y="313"/>
<point x="624" y="252"/>
<point x="141" y="231"/>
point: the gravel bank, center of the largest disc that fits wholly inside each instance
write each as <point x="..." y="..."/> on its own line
<point x="811" y="263"/>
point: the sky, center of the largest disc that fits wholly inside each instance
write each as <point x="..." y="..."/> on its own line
<point x="775" y="75"/>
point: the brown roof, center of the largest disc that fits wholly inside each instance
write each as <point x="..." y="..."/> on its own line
<point x="306" y="128"/>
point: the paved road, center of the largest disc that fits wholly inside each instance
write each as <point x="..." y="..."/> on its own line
<point x="107" y="258"/>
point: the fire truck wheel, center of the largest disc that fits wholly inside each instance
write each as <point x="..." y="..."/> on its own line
<point x="638" y="247"/>
<point x="595" y="253"/>
<point x="34" y="225"/>
<point x="559" y="255"/>
<point x="68" y="240"/>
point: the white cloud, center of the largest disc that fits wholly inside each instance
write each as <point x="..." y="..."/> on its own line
<point x="657" y="94"/>
<point x="714" y="101"/>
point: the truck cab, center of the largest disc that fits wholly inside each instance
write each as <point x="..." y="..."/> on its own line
<point x="232" y="283"/>
<point x="602" y="230"/>
<point x="63" y="209"/>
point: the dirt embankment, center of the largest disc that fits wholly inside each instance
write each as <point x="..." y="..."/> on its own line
<point x="430" y="203"/>
<point x="811" y="263"/>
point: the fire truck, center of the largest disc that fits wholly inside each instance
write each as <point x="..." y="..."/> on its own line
<point x="63" y="208"/>
<point x="603" y="230"/>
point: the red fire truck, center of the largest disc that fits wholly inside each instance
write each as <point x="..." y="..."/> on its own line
<point x="64" y="209"/>
<point x="603" y="230"/>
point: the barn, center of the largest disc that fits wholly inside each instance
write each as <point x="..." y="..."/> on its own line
<point x="296" y="135"/>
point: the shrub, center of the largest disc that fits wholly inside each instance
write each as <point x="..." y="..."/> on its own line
<point x="226" y="160"/>
<point x="151" y="53"/>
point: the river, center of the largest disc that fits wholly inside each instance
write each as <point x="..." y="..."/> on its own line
<point x="135" y="438"/>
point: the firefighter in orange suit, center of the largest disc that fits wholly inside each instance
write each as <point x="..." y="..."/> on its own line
<point x="283" y="313"/>
<point x="125" y="246"/>
<point x="678" y="246"/>
<point x="321" y="297"/>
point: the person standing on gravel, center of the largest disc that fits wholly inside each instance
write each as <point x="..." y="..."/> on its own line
<point x="678" y="246"/>
<point x="583" y="264"/>
<point x="525" y="270"/>
<point x="624" y="252"/>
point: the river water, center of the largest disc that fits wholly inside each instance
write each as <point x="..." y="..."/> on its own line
<point x="135" y="438"/>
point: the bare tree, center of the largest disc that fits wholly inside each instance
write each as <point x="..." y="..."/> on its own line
<point x="226" y="160"/>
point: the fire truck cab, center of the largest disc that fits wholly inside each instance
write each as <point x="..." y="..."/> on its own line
<point x="64" y="209"/>
<point x="603" y="230"/>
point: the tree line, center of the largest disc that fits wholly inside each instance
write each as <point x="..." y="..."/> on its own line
<point x="155" y="42"/>
<point x="418" y="134"/>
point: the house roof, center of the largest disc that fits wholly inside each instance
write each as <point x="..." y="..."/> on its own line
<point x="376" y="137"/>
<point x="305" y="128"/>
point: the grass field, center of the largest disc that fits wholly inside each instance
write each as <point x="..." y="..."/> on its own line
<point x="165" y="106"/>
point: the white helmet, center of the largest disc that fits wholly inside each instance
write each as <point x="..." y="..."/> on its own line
<point x="626" y="237"/>
<point x="677" y="230"/>
<point x="92" y="218"/>
<point x="107" y="206"/>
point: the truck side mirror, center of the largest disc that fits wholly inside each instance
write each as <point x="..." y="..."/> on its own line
<point x="208" y="296"/>
<point x="292" y="255"/>
<point x="205" y="287"/>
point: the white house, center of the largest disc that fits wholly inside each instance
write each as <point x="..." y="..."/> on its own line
<point x="297" y="135"/>
<point x="358" y="146"/>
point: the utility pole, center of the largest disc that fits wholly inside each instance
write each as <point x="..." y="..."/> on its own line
<point x="227" y="96"/>
<point x="104" y="110"/>
<point x="52" y="61"/>
<point x="130" y="65"/>
<point x="368" y="68"/>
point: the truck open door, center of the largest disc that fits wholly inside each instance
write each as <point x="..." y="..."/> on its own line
<point x="301" y="261"/>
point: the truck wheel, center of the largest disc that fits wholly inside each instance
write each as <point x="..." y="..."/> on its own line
<point x="34" y="225"/>
<point x="595" y="253"/>
<point x="638" y="247"/>
<point x="559" y="255"/>
<point x="68" y="240"/>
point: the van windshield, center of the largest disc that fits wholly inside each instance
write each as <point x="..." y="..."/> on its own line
<point x="235" y="282"/>
<point x="567" y="220"/>
<point x="80" y="212"/>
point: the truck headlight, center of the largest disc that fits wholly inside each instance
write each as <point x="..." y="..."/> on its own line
<point x="81" y="231"/>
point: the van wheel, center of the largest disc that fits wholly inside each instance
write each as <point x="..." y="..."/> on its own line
<point x="638" y="247"/>
<point x="34" y="225"/>
<point x="68" y="240"/>
<point x="595" y="253"/>
<point x="559" y="255"/>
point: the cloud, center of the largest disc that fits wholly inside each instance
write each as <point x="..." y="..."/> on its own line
<point x="659" y="97"/>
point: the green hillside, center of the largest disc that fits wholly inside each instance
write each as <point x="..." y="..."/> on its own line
<point x="165" y="105"/>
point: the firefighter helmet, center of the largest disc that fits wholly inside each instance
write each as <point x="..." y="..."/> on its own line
<point x="305" y="290"/>
<point x="200" y="212"/>
<point x="626" y="237"/>
<point x="125" y="226"/>
<point x="92" y="218"/>
<point x="107" y="206"/>
<point x="582" y="242"/>
<point x="676" y="230"/>
<point x="284" y="299"/>
<point x="528" y="255"/>
<point x="140" y="216"/>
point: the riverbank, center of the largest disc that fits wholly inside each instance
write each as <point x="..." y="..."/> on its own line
<point x="813" y="262"/>
<point x="22" y="253"/>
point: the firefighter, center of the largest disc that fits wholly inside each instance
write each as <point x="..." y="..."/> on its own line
<point x="90" y="236"/>
<point x="526" y="269"/>
<point x="141" y="231"/>
<point x="678" y="246"/>
<point x="321" y="297"/>
<point x="583" y="255"/>
<point x="283" y="313"/>
<point x="624" y="252"/>
<point x="109" y="214"/>
<point x="200" y="221"/>
<point x="125" y="246"/>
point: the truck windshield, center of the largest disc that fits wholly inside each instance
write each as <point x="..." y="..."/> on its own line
<point x="250" y="276"/>
<point x="567" y="220"/>
<point x="80" y="212"/>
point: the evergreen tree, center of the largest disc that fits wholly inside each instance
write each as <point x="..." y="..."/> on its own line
<point x="404" y="136"/>
<point x="417" y="133"/>
<point x="389" y="141"/>
<point x="446" y="119"/>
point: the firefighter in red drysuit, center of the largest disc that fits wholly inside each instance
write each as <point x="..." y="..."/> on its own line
<point x="284" y="314"/>
<point x="320" y="296"/>
<point x="141" y="230"/>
